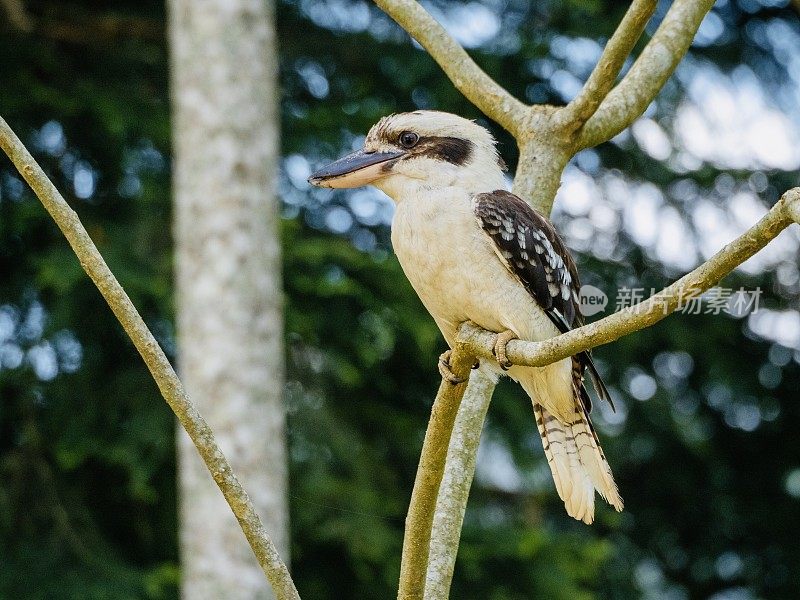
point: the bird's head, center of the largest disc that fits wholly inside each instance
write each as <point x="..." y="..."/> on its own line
<point x="406" y="153"/>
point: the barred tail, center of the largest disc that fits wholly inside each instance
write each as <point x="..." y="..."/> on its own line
<point x="577" y="462"/>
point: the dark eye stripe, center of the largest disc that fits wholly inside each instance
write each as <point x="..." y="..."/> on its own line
<point x="454" y="150"/>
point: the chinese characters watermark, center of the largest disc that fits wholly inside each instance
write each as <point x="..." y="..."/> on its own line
<point x="718" y="300"/>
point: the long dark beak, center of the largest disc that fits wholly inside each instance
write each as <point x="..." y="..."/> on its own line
<point x="354" y="170"/>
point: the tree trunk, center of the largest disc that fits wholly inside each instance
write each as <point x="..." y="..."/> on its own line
<point x="229" y="299"/>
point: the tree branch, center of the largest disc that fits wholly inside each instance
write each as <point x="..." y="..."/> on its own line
<point x="644" y="314"/>
<point x="602" y="79"/>
<point x="480" y="89"/>
<point x="160" y="368"/>
<point x="458" y="475"/>
<point x="419" y="520"/>
<point x="649" y="73"/>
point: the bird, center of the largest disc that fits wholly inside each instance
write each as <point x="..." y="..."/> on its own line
<point x="474" y="251"/>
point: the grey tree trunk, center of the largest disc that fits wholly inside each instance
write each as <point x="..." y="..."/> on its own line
<point x="229" y="299"/>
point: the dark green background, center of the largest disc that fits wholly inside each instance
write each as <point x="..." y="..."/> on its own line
<point x="87" y="465"/>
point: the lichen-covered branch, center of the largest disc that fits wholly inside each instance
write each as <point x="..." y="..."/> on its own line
<point x="480" y="89"/>
<point x="419" y="519"/>
<point x="646" y="313"/>
<point x="160" y="368"/>
<point x="649" y="73"/>
<point x="602" y="78"/>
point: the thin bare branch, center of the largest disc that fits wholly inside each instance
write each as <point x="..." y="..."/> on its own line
<point x="454" y="492"/>
<point x="480" y="89"/>
<point x="651" y="311"/>
<point x="649" y="73"/>
<point x="160" y="368"/>
<point x="419" y="520"/>
<point x="602" y="79"/>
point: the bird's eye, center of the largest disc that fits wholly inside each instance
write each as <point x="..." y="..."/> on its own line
<point x="408" y="139"/>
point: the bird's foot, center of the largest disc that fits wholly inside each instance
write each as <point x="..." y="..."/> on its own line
<point x="445" y="372"/>
<point x="499" y="350"/>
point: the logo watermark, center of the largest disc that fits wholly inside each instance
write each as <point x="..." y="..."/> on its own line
<point x="737" y="303"/>
<point x="592" y="300"/>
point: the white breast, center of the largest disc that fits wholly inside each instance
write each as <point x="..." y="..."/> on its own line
<point x="452" y="265"/>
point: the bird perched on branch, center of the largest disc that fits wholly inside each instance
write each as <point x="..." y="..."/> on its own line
<point x="475" y="252"/>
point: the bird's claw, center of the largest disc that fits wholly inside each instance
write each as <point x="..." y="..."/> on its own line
<point x="445" y="372"/>
<point x="500" y="343"/>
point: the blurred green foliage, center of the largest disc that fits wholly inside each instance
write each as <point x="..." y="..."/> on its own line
<point x="87" y="499"/>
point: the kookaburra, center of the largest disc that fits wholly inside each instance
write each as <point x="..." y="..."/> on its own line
<point x="475" y="252"/>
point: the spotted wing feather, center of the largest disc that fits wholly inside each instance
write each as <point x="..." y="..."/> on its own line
<point x="533" y="252"/>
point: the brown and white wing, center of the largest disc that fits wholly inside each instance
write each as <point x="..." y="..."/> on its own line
<point x="533" y="252"/>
